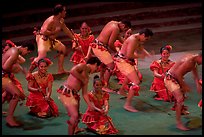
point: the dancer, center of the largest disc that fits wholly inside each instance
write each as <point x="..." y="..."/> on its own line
<point x="159" y="68"/>
<point x="15" y="69"/>
<point x="118" y="46"/>
<point x="103" y="46"/>
<point x="10" y="84"/>
<point x="99" y="121"/>
<point x="39" y="99"/>
<point x="69" y="92"/>
<point x="122" y="79"/>
<point x="46" y="37"/>
<point x="174" y="81"/>
<point x="132" y="48"/>
<point x="84" y="38"/>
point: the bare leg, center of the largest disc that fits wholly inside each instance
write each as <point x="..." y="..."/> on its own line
<point x="133" y="77"/>
<point x="3" y="100"/>
<point x="10" y="118"/>
<point x="72" y="111"/>
<point x="12" y="89"/>
<point x="107" y="76"/>
<point x="61" y="63"/>
<point x="128" y="102"/>
<point x="77" y="129"/>
<point x="122" y="88"/>
<point x="179" y="100"/>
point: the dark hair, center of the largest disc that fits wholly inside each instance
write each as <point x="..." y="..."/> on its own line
<point x="127" y="23"/>
<point x="167" y="47"/>
<point x="46" y="60"/>
<point x="93" y="60"/>
<point x="96" y="78"/>
<point x="58" y="9"/>
<point x="146" y="31"/>
<point x="42" y="60"/>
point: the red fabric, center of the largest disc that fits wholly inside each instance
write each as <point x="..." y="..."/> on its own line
<point x="16" y="82"/>
<point x="36" y="100"/>
<point x="118" y="44"/>
<point x="136" y="88"/>
<point x="95" y="120"/>
<point x="77" y="56"/>
<point x="158" y="83"/>
<point x="200" y="103"/>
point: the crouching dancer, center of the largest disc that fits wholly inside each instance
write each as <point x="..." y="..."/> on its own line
<point x="174" y="81"/>
<point x="10" y="84"/>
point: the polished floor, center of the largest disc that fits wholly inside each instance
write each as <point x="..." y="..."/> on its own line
<point x="154" y="117"/>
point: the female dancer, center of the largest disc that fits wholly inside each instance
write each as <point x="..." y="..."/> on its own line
<point x="98" y="121"/>
<point x="40" y="87"/>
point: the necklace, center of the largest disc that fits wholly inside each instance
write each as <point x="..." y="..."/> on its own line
<point x="165" y="62"/>
<point x="97" y="96"/>
<point x="42" y="76"/>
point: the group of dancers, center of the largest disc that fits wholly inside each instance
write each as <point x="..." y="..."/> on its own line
<point x="109" y="54"/>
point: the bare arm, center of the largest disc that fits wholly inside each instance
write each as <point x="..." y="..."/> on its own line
<point x="146" y="53"/>
<point x="21" y="59"/>
<point x="89" y="53"/>
<point x="12" y="59"/>
<point x="156" y="74"/>
<point x="106" y="108"/>
<point x="112" y="39"/>
<point x="182" y="83"/>
<point x="30" y="86"/>
<point x="49" y="88"/>
<point x="121" y="39"/>
<point x="196" y="78"/>
<point x="86" y="98"/>
<point x="66" y="29"/>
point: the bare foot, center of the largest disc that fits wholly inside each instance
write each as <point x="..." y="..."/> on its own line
<point x="42" y="114"/>
<point x="181" y="127"/>
<point x="108" y="90"/>
<point x="122" y="93"/>
<point x="77" y="130"/>
<point x="185" y="112"/>
<point x="4" y="112"/>
<point x="130" y="108"/>
<point x="11" y="122"/>
<point x="62" y="72"/>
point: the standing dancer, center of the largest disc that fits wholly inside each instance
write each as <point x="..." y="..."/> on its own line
<point x="46" y="37"/>
<point x="174" y="81"/>
<point x="10" y="84"/>
<point x="122" y="79"/>
<point x="103" y="46"/>
<point x="132" y="48"/>
<point x="69" y="92"/>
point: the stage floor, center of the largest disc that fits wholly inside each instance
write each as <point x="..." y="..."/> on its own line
<point x="154" y="117"/>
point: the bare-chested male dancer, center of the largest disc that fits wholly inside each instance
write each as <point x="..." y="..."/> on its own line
<point x="10" y="64"/>
<point x="132" y="49"/>
<point x="69" y="91"/>
<point x="174" y="81"/>
<point x="103" y="46"/>
<point x="46" y="37"/>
